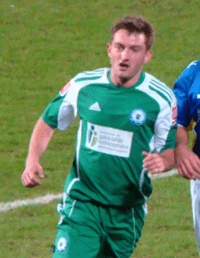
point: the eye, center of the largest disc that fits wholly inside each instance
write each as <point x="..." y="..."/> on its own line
<point x="119" y="47"/>
<point x="135" y="49"/>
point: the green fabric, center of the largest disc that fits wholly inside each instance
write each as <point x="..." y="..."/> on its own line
<point x="117" y="124"/>
<point x="90" y="230"/>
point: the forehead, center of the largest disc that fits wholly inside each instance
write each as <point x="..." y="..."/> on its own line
<point x="124" y="37"/>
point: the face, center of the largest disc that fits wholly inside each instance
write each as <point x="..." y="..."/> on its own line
<point x="127" y="54"/>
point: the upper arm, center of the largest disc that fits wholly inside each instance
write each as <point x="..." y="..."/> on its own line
<point x="181" y="87"/>
<point x="166" y="126"/>
<point x="44" y="129"/>
<point x="62" y="110"/>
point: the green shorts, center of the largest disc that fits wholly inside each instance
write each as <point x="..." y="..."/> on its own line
<point x="87" y="230"/>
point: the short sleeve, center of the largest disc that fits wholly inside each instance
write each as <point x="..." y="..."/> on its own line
<point x="166" y="127"/>
<point x="62" y="110"/>
<point x="181" y="87"/>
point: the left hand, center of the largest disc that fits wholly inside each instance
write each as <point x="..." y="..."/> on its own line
<point x="153" y="162"/>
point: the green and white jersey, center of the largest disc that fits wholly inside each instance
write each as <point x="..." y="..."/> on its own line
<point x="116" y="125"/>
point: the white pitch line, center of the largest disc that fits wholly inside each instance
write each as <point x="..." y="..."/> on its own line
<point x="19" y="203"/>
<point x="165" y="174"/>
<point x="50" y="197"/>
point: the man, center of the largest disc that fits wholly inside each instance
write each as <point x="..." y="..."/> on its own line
<point x="187" y="89"/>
<point x="125" y="115"/>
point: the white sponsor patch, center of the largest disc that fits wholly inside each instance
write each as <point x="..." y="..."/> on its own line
<point x="109" y="140"/>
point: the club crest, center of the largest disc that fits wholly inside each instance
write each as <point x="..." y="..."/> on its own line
<point x="137" y="117"/>
<point x="62" y="244"/>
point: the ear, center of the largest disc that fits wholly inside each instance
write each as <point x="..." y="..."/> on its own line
<point x="108" y="49"/>
<point x="148" y="56"/>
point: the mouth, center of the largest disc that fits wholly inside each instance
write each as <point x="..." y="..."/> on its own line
<point x="123" y="65"/>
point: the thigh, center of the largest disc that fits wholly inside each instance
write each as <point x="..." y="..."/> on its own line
<point x="123" y="232"/>
<point x="139" y="214"/>
<point x="78" y="234"/>
<point x="119" y="233"/>
<point x="75" y="242"/>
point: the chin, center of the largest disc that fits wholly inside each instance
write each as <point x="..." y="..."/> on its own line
<point x="123" y="79"/>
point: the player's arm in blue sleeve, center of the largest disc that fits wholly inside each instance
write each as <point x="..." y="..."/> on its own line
<point x="181" y="93"/>
<point x="188" y="163"/>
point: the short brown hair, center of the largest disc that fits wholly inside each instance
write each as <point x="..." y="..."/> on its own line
<point x="135" y="25"/>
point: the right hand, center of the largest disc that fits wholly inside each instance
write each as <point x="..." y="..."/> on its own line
<point x="188" y="163"/>
<point x="153" y="162"/>
<point x="29" y="178"/>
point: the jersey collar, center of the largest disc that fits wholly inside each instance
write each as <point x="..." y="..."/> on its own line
<point x="140" y="80"/>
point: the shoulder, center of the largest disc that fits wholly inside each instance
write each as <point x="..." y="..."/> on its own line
<point x="90" y="75"/>
<point x="160" y="90"/>
<point x="193" y="66"/>
<point x="83" y="79"/>
<point x="156" y="82"/>
<point x="187" y="77"/>
<point x="190" y="71"/>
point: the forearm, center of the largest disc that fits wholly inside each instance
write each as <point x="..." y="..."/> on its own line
<point x="182" y="137"/>
<point x="159" y="162"/>
<point x="168" y="157"/>
<point x="188" y="163"/>
<point x="182" y="140"/>
<point x="40" y="138"/>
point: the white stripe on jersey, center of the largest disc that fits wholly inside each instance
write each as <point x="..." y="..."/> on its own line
<point x="88" y="74"/>
<point x="71" y="184"/>
<point x="159" y="87"/>
<point x="164" y="116"/>
<point x="79" y="136"/>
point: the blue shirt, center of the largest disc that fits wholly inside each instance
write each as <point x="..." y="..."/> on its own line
<point x="187" y="92"/>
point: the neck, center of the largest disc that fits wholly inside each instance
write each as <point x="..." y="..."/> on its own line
<point x="124" y="82"/>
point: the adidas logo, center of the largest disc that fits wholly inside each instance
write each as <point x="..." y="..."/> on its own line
<point x="95" y="107"/>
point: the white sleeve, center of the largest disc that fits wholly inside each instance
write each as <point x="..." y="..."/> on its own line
<point x="68" y="108"/>
<point x="164" y="125"/>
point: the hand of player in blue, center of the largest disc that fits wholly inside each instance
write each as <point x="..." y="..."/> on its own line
<point x="188" y="163"/>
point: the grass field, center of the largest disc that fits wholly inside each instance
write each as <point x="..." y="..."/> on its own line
<point x="45" y="43"/>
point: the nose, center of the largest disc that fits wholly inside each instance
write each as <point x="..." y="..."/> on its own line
<point x="125" y="54"/>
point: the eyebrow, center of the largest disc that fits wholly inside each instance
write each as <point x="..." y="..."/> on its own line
<point x="132" y="46"/>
